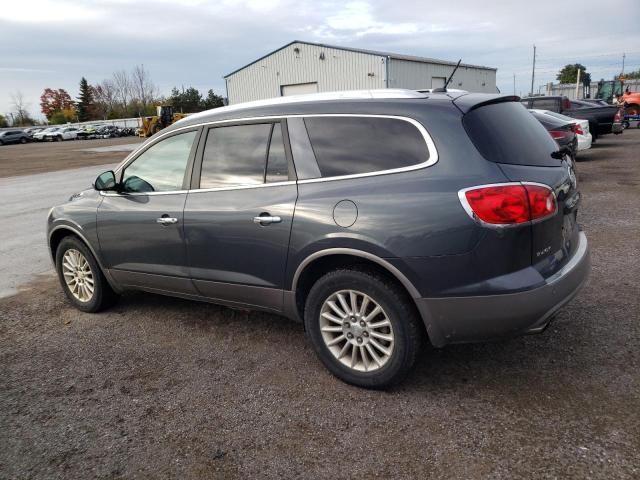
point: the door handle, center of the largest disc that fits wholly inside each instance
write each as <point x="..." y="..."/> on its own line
<point x="166" y="220"/>
<point x="266" y="220"/>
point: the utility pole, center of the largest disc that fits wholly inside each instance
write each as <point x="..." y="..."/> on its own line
<point x="578" y="84"/>
<point x="533" y="70"/>
<point x="514" y="83"/>
<point x="623" y="57"/>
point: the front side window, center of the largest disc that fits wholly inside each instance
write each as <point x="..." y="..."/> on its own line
<point x="355" y="145"/>
<point x="161" y="168"/>
<point x="239" y="154"/>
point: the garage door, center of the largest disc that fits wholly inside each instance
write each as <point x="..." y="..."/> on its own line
<point x="438" y="82"/>
<point x="298" y="89"/>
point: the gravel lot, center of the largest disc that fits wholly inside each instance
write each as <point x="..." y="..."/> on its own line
<point x="39" y="157"/>
<point x="160" y="387"/>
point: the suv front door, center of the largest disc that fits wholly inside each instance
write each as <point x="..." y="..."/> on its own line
<point x="245" y="173"/>
<point x="140" y="227"/>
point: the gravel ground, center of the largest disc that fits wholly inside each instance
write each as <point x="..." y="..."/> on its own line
<point x="39" y="157"/>
<point x="165" y="388"/>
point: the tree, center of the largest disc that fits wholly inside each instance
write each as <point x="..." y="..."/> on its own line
<point x="86" y="107"/>
<point x="105" y="98"/>
<point x="52" y="101"/>
<point x="187" y="101"/>
<point x="212" y="101"/>
<point x="63" y="116"/>
<point x="632" y="75"/>
<point x="122" y="85"/>
<point x="21" y="117"/>
<point x="3" y="122"/>
<point x="143" y="88"/>
<point x="569" y="74"/>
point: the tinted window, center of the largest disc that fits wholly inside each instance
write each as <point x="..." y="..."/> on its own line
<point x="508" y="133"/>
<point x="351" y="145"/>
<point x="277" y="167"/>
<point x="160" y="168"/>
<point x="235" y="155"/>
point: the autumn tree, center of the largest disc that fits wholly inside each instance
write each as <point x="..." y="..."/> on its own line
<point x="569" y="74"/>
<point x="52" y="101"/>
<point x="3" y="122"/>
<point x="143" y="88"/>
<point x="105" y="98"/>
<point x="85" y="105"/>
<point x="123" y="86"/>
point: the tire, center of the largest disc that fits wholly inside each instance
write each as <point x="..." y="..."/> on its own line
<point x="23" y="140"/>
<point x="404" y="328"/>
<point x="59" y="139"/>
<point x="102" y="296"/>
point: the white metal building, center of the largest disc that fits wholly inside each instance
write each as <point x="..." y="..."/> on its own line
<point x="304" y="67"/>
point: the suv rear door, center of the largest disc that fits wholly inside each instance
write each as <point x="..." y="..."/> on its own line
<point x="244" y="172"/>
<point x="508" y="135"/>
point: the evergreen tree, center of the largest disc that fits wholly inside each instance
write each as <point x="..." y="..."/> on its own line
<point x="86" y="107"/>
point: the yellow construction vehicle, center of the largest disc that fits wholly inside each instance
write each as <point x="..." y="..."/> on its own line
<point x="155" y="123"/>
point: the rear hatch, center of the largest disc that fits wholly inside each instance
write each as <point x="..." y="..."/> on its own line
<point x="507" y="134"/>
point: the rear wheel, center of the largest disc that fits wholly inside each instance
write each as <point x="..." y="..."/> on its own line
<point x="23" y="140"/>
<point x="81" y="278"/>
<point x="363" y="327"/>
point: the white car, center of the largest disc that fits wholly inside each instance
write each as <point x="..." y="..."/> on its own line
<point x="64" y="133"/>
<point x="39" y="136"/>
<point x="581" y="130"/>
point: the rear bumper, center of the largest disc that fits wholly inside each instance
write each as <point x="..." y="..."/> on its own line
<point x="617" y="128"/>
<point x="479" y="318"/>
<point x="584" y="142"/>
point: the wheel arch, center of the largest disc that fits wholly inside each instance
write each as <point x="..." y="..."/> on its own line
<point x="317" y="264"/>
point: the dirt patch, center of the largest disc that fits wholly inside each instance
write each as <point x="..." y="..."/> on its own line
<point x="39" y="157"/>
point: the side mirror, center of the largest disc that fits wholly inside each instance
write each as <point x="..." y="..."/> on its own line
<point x="106" y="181"/>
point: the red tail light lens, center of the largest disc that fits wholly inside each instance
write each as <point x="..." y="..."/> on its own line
<point x="577" y="128"/>
<point x="510" y="204"/>
<point x="618" y="116"/>
<point x="560" y="134"/>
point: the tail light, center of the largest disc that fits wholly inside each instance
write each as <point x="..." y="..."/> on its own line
<point x="617" y="118"/>
<point x="560" y="134"/>
<point x="509" y="204"/>
<point x="577" y="129"/>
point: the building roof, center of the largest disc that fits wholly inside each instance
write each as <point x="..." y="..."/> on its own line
<point x="397" y="56"/>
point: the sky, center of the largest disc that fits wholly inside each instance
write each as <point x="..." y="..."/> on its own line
<point x="196" y="42"/>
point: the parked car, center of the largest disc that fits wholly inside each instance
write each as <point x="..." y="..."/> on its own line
<point x="562" y="132"/>
<point x="87" y="132"/>
<point x="32" y="131"/>
<point x="580" y="128"/>
<point x="40" y="136"/>
<point x="64" y="133"/>
<point x="13" y="136"/>
<point x="377" y="218"/>
<point x="602" y="120"/>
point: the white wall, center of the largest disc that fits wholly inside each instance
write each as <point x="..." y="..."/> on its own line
<point x="340" y="70"/>
<point x="418" y="75"/>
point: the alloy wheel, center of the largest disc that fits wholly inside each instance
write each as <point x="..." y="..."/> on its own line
<point x="78" y="275"/>
<point x="356" y="330"/>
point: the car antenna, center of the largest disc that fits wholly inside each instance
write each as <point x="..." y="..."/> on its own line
<point x="444" y="89"/>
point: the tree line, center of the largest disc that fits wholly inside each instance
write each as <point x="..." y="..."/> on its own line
<point x="123" y="95"/>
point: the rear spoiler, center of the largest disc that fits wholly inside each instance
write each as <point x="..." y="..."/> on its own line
<point x="471" y="101"/>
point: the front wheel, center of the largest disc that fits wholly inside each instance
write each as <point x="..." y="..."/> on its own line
<point x="363" y="327"/>
<point x="82" y="280"/>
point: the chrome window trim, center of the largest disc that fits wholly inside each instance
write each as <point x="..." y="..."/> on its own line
<point x="431" y="148"/>
<point x="467" y="208"/>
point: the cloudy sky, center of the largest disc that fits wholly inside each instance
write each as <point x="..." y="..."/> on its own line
<point x="195" y="42"/>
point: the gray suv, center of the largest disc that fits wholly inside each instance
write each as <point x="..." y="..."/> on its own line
<point x="379" y="219"/>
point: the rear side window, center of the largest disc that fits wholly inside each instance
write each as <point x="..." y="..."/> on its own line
<point x="354" y="145"/>
<point x="545" y="104"/>
<point x="244" y="155"/>
<point x="507" y="133"/>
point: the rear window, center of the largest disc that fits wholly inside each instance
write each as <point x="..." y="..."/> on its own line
<point x="354" y="145"/>
<point x="549" y="122"/>
<point x="507" y="133"/>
